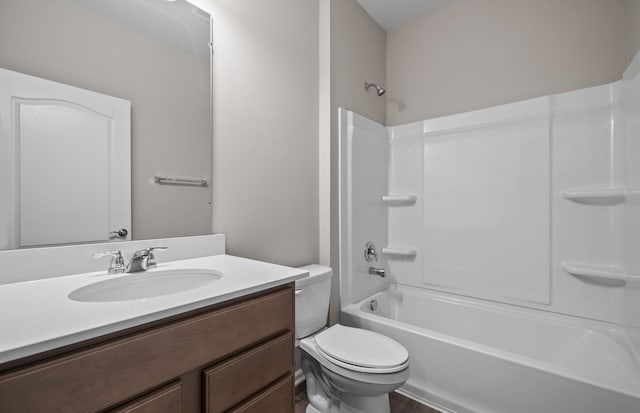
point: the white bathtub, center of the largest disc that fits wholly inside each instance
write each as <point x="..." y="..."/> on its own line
<point x="472" y="356"/>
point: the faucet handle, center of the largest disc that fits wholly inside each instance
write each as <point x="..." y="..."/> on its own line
<point x="117" y="261"/>
<point x="370" y="252"/>
<point x="152" y="258"/>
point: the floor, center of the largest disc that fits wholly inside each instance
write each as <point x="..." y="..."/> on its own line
<point x="399" y="404"/>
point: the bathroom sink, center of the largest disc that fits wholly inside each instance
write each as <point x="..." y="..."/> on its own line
<point x="145" y="285"/>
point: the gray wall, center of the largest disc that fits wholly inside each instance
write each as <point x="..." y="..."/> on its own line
<point x="471" y="54"/>
<point x="633" y="15"/>
<point x="358" y="54"/>
<point x="56" y="40"/>
<point x="265" y="114"/>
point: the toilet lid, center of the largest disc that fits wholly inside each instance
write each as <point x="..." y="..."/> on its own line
<point x="362" y="348"/>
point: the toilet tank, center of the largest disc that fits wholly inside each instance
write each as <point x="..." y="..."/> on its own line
<point x="312" y="300"/>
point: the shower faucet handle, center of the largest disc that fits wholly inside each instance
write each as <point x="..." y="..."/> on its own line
<point x="370" y="252"/>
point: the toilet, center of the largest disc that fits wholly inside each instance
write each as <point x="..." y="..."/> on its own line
<point x="347" y="370"/>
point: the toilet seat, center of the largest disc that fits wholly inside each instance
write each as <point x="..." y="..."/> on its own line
<point x="361" y="350"/>
<point x="366" y="377"/>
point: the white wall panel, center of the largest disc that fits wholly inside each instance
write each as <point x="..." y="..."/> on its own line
<point x="405" y="177"/>
<point x="631" y="110"/>
<point x="364" y="156"/>
<point x="486" y="211"/>
<point x="584" y="145"/>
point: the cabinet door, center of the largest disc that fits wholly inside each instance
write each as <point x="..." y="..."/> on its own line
<point x="277" y="398"/>
<point x="165" y="400"/>
<point x="231" y="382"/>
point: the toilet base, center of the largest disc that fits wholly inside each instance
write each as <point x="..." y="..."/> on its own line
<point x="351" y="403"/>
<point x="356" y="404"/>
<point x="311" y="409"/>
<point x="335" y="389"/>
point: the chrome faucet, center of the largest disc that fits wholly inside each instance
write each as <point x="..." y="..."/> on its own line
<point x="377" y="271"/>
<point x="143" y="260"/>
<point x="117" y="262"/>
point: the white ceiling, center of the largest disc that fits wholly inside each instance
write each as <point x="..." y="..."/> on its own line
<point x="391" y="14"/>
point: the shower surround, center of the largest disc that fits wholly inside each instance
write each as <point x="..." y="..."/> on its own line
<point x="510" y="236"/>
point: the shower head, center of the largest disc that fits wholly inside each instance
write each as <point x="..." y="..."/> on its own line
<point x="380" y="91"/>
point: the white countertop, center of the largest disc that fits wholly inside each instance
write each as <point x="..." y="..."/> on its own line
<point x="37" y="316"/>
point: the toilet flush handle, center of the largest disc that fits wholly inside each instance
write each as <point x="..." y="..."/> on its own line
<point x="298" y="292"/>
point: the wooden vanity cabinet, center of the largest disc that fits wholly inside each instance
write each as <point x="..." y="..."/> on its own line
<point x="233" y="357"/>
<point x="245" y="375"/>
<point x="272" y="400"/>
<point x="165" y="400"/>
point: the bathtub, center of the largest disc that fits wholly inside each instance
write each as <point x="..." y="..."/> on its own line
<point x="467" y="355"/>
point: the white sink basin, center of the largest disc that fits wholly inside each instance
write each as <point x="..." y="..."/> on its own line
<point x="145" y="285"/>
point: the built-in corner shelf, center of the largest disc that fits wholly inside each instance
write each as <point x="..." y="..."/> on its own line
<point x="400" y="251"/>
<point x="399" y="200"/>
<point x="599" y="196"/>
<point x="607" y="275"/>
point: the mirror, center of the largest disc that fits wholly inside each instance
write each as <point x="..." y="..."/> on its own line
<point x="153" y="54"/>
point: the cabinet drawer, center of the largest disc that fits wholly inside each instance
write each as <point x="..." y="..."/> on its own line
<point x="103" y="375"/>
<point x="166" y="400"/>
<point x="233" y="381"/>
<point x="277" y="398"/>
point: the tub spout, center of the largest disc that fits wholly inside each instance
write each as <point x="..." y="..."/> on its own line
<point x="377" y="271"/>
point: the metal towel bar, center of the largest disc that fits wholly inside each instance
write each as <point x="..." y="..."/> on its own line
<point x="165" y="180"/>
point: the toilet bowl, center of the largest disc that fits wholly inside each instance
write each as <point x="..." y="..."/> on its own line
<point x="347" y="370"/>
